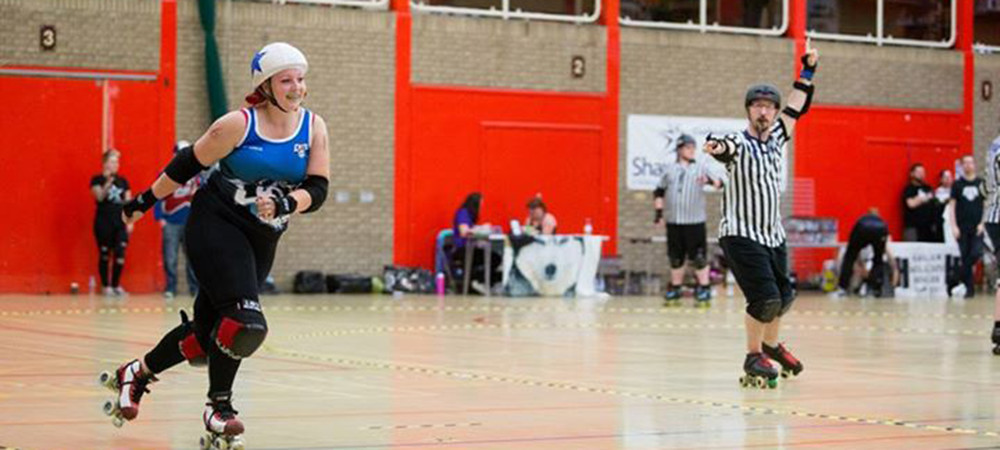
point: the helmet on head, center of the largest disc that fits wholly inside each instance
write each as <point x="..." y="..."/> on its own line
<point x="271" y="59"/>
<point x="763" y="92"/>
<point x="274" y="58"/>
<point x="685" y="139"/>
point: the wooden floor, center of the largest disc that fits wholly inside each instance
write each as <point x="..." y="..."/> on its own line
<point x="471" y="373"/>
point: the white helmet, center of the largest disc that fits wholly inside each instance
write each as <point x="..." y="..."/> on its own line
<point x="274" y="58"/>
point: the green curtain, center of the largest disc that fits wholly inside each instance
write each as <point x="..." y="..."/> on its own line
<point x="213" y="66"/>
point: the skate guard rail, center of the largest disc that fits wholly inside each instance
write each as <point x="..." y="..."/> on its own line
<point x="505" y="12"/>
<point x="881" y="39"/>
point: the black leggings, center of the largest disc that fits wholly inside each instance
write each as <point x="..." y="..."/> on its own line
<point x="112" y="239"/>
<point x="231" y="255"/>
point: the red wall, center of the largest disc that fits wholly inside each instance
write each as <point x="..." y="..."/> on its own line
<point x="860" y="157"/>
<point x="51" y="148"/>
<point x="508" y="145"/>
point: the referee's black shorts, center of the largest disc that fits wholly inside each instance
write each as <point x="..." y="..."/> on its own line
<point x="686" y="242"/>
<point x="761" y="271"/>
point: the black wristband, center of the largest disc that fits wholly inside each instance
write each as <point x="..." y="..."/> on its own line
<point x="141" y="203"/>
<point x="658" y="216"/>
<point x="285" y="205"/>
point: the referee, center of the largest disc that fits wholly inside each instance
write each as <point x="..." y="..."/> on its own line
<point x="750" y="232"/>
<point x="993" y="229"/>
<point x="683" y="184"/>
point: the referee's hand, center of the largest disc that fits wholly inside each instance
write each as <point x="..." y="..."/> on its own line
<point x="712" y="147"/>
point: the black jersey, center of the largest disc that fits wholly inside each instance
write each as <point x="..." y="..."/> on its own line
<point x="113" y="202"/>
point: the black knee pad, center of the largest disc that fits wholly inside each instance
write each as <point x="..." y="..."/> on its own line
<point x="104" y="253"/>
<point x="188" y="343"/>
<point x="765" y="310"/>
<point x="676" y="263"/>
<point x="699" y="262"/>
<point x="241" y="330"/>
<point x="786" y="304"/>
<point x="120" y="250"/>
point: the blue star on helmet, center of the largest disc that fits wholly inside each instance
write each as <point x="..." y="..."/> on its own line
<point x="255" y="64"/>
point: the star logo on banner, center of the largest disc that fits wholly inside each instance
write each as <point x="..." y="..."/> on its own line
<point x="255" y="64"/>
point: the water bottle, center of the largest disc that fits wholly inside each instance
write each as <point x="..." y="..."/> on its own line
<point x="588" y="227"/>
<point x="439" y="283"/>
<point x="91" y="285"/>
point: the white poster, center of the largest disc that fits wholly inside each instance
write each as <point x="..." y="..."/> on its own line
<point x="652" y="140"/>
<point x="923" y="268"/>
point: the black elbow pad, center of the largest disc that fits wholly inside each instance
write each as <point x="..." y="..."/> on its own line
<point x="184" y="166"/>
<point x="316" y="186"/>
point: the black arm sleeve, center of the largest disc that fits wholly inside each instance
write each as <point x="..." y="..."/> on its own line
<point x="184" y="166"/>
<point x="316" y="186"/>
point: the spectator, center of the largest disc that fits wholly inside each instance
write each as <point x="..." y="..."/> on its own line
<point x="919" y="208"/>
<point x="172" y="213"/>
<point x="966" y="209"/>
<point x="539" y="220"/>
<point x="111" y="191"/>
<point x="942" y="194"/>
<point x="463" y="224"/>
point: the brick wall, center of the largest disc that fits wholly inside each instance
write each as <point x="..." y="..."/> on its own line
<point x="133" y="43"/>
<point x="517" y="54"/>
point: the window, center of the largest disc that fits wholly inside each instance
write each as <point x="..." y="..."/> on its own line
<point x="366" y="4"/>
<point x="987" y="24"/>
<point x="768" y="17"/>
<point x="558" y="10"/>
<point x="924" y="23"/>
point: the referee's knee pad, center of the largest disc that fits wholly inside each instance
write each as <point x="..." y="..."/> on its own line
<point x="786" y="304"/>
<point x="241" y="330"/>
<point x="764" y="310"/>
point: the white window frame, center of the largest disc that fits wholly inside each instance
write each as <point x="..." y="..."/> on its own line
<point x="704" y="27"/>
<point x="364" y="4"/>
<point x="880" y="38"/>
<point x="506" y="13"/>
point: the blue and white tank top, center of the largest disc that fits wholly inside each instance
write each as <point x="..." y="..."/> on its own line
<point x="263" y="166"/>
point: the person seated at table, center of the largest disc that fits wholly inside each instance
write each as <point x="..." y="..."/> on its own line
<point x="463" y="227"/>
<point x="540" y="220"/>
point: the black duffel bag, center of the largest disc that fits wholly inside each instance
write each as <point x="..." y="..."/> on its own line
<point x="352" y="284"/>
<point x="309" y="282"/>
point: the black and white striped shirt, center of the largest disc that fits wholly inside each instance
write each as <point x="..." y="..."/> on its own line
<point x="751" y="202"/>
<point x="993" y="213"/>
<point x="683" y="189"/>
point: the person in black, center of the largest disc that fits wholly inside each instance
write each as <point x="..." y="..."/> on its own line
<point x="967" y="196"/>
<point x="869" y="230"/>
<point x="111" y="191"/>
<point x="920" y="208"/>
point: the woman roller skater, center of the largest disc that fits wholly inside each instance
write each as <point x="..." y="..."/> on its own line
<point x="273" y="162"/>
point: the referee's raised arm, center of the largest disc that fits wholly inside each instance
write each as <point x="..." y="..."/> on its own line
<point x="801" y="97"/>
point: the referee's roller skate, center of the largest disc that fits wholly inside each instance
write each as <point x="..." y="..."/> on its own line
<point x="702" y="296"/>
<point x="758" y="372"/>
<point x="996" y="339"/>
<point x="129" y="383"/>
<point x="673" y="296"/>
<point x="224" y="431"/>
<point x="790" y="365"/>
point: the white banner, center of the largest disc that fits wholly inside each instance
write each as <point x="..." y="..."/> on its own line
<point x="652" y="140"/>
<point x="923" y="268"/>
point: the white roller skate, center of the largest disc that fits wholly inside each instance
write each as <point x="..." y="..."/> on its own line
<point x="129" y="383"/>
<point x="224" y="431"/>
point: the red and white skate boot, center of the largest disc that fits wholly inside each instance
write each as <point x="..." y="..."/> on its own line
<point x="130" y="384"/>
<point x="225" y="430"/>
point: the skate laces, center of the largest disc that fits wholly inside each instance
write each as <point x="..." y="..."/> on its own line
<point x="140" y="386"/>
<point x="224" y="410"/>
